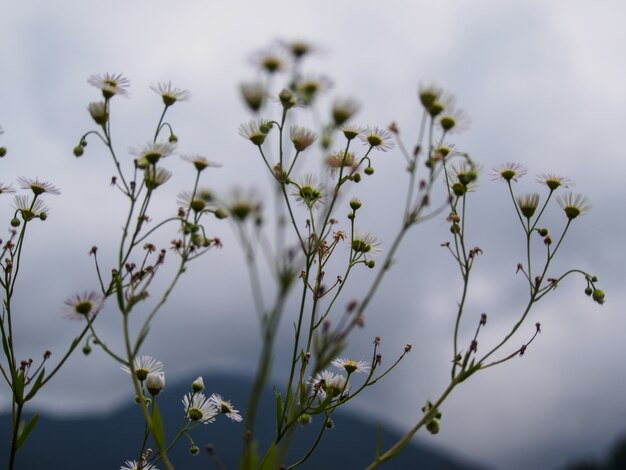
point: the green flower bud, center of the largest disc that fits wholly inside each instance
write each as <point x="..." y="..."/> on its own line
<point x="369" y="171"/>
<point x="3" y="151"/>
<point x="15" y="222"/>
<point x="542" y="231"/>
<point x="221" y="213"/>
<point x="356" y="177"/>
<point x="78" y="151"/>
<point x="173" y="139"/>
<point x="355" y="204"/>
<point x="193" y="450"/>
<point x="588" y="291"/>
<point x="86" y="349"/>
<point x="598" y="296"/>
<point x="459" y="189"/>
<point x="43" y="216"/>
<point x="304" y="419"/>
<point x="433" y="426"/>
<point x="370" y="263"/>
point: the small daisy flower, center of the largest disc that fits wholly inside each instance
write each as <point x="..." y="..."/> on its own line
<point x="428" y="94"/>
<point x="298" y="48"/>
<point x="255" y="131"/>
<point x="6" y="189"/>
<point x="351" y="131"/>
<point x="351" y="366"/>
<point x="375" y="137"/>
<point x="200" y="162"/>
<point x="554" y="181"/>
<point x="170" y="94"/>
<point x="144" y="366"/>
<point x="509" y="171"/>
<point x="155" y="383"/>
<point x="197" y="385"/>
<point x="242" y="204"/>
<point x="253" y="94"/>
<point x="111" y="84"/>
<point x="197" y="203"/>
<point x="308" y="191"/>
<point x="225" y="407"/>
<point x="528" y="204"/>
<point x="453" y="120"/>
<point x="339" y="159"/>
<point x="365" y="243"/>
<point x="28" y="209"/>
<point x="152" y="152"/>
<point x="38" y="187"/>
<point x="99" y="113"/>
<point x="133" y="465"/>
<point x="574" y="204"/>
<point x="328" y="383"/>
<point x="83" y="306"/>
<point x="154" y="178"/>
<point x="271" y="60"/>
<point x="199" y="408"/>
<point x="309" y="88"/>
<point x="343" y="110"/>
<point x="302" y="137"/>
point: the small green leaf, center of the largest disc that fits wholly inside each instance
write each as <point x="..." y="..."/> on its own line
<point x="279" y="410"/>
<point x="269" y="461"/>
<point x="24" y="431"/>
<point x="157" y="428"/>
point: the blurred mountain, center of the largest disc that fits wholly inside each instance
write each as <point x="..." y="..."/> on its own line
<point x="106" y="442"/>
<point x="616" y="460"/>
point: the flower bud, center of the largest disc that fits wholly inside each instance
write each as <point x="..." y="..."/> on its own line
<point x="355" y="204"/>
<point x="3" y="151"/>
<point x="369" y="171"/>
<point x="15" y="222"/>
<point x="78" y="151"/>
<point x="172" y="138"/>
<point x="433" y="426"/>
<point x="598" y="296"/>
<point x="155" y="383"/>
<point x="588" y="291"/>
<point x="221" y="213"/>
<point x="304" y="419"/>
<point x="193" y="450"/>
<point x="197" y="385"/>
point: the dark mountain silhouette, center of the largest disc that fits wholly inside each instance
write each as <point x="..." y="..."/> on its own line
<point x="105" y="443"/>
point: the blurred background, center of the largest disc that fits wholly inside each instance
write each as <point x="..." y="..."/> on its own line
<point x="543" y="83"/>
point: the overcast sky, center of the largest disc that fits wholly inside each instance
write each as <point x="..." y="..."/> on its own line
<point x="544" y="84"/>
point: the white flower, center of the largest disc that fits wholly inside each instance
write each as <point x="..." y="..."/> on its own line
<point x="302" y="137"/>
<point x="225" y="407"/>
<point x="199" y="408"/>
<point x="155" y="383"/>
<point x="133" y="465"/>
<point x="38" y="187"/>
<point x="144" y="366"/>
<point x="377" y="138"/>
<point x="328" y="383"/>
<point x="197" y="385"/>
<point x="152" y="152"/>
<point x="351" y="366"/>
<point x="365" y="243"/>
<point x="111" y="84"/>
<point x="83" y="306"/>
<point x="170" y="94"/>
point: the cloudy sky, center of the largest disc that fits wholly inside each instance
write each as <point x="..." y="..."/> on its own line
<point x="543" y="83"/>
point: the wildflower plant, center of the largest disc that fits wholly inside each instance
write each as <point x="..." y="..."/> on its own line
<point x="319" y="240"/>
